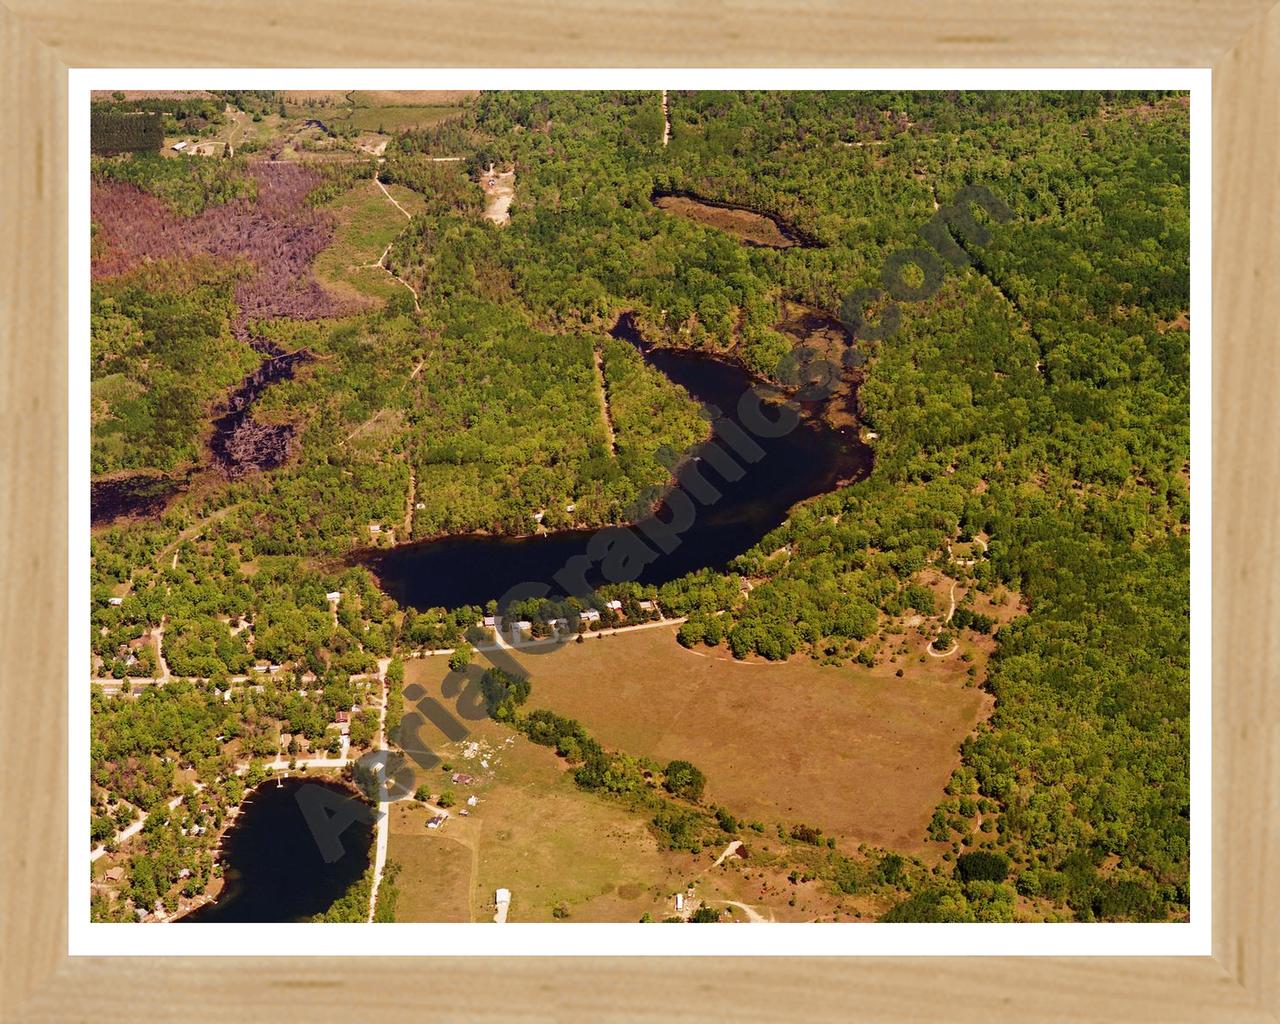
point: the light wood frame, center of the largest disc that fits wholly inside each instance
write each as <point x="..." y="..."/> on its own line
<point x="40" y="39"/>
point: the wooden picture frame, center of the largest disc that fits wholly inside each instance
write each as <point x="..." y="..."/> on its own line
<point x="41" y="39"/>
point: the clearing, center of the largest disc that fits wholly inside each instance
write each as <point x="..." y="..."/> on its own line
<point x="499" y="193"/>
<point x="351" y="265"/>
<point x="861" y="753"/>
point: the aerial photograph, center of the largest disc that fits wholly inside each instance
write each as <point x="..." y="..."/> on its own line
<point x="655" y="506"/>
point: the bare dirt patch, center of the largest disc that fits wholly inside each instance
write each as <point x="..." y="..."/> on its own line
<point x="746" y="225"/>
<point x="499" y="193"/>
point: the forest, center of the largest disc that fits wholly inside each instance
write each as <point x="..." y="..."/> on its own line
<point x="1038" y="400"/>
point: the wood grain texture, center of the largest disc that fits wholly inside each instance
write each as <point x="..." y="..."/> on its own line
<point x="1246" y="542"/>
<point x="33" y="510"/>
<point x="661" y="33"/>
<point x="39" y="39"/>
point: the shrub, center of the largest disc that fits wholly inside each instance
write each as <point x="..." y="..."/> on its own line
<point x="982" y="866"/>
<point x="683" y="779"/>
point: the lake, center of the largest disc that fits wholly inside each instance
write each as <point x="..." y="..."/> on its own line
<point x="272" y="865"/>
<point x="813" y="458"/>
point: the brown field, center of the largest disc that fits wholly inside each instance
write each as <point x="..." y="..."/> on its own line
<point x="382" y="97"/>
<point x="152" y="94"/>
<point x="744" y="224"/>
<point x="534" y="832"/>
<point x="859" y="752"/>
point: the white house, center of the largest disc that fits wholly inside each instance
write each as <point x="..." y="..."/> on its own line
<point x="489" y="621"/>
<point x="615" y="606"/>
<point x="502" y="896"/>
<point x="647" y="606"/>
<point x="179" y="146"/>
<point x="589" y="615"/>
<point x="333" y="596"/>
<point x="518" y="629"/>
<point x="679" y="902"/>
<point x="116" y="601"/>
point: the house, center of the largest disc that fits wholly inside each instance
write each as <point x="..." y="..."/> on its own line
<point x="614" y="606"/>
<point x="648" y="606"/>
<point x="115" y="874"/>
<point x="334" y="596"/>
<point x="491" y="621"/>
<point x="178" y="147"/>
<point x="589" y="615"/>
<point x="502" y="896"/>
<point x="115" y="601"/>
<point x="538" y="516"/>
<point x="558" y="623"/>
<point x="518" y="628"/>
<point x="570" y="508"/>
<point x="375" y="528"/>
<point x="679" y="902"/>
<point x="471" y="801"/>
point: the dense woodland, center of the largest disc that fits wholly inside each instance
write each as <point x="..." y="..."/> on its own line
<point x="1038" y="398"/>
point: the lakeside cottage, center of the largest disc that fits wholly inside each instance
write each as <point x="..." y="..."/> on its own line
<point x="615" y="606"/>
<point x="589" y="615"/>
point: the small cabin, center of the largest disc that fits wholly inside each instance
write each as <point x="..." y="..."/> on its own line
<point x="614" y="606"/>
<point x="589" y="615"/>
<point x="179" y="147"/>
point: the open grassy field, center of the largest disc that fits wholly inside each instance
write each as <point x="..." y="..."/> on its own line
<point x="367" y="222"/>
<point x="532" y="831"/>
<point x="557" y="846"/>
<point x="379" y="97"/>
<point x="862" y="753"/>
<point x="386" y="111"/>
<point x="389" y="120"/>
